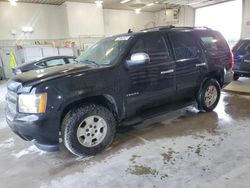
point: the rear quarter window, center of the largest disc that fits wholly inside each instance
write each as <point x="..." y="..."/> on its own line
<point x="213" y="41"/>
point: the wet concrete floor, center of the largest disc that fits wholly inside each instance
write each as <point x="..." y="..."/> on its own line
<point x="184" y="148"/>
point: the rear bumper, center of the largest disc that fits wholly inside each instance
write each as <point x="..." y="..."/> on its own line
<point x="42" y="130"/>
<point x="228" y="78"/>
<point x="242" y="73"/>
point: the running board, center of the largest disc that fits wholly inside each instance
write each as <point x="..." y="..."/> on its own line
<point x="154" y="112"/>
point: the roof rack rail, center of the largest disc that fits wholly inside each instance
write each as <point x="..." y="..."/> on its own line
<point x="171" y="27"/>
<point x="158" y="28"/>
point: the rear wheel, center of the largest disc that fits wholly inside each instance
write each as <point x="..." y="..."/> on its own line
<point x="88" y="130"/>
<point x="209" y="95"/>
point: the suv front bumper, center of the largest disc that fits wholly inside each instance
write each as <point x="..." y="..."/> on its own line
<point x="41" y="129"/>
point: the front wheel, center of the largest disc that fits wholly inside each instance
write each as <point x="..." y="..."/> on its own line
<point x="209" y="95"/>
<point x="88" y="130"/>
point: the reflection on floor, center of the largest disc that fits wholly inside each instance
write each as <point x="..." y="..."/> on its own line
<point x="240" y="86"/>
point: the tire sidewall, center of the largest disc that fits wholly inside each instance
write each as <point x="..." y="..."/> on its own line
<point x="74" y="120"/>
<point x="202" y="104"/>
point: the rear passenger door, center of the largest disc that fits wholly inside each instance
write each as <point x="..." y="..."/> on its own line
<point x="188" y="61"/>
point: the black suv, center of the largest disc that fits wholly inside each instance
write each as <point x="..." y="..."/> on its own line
<point x="121" y="80"/>
<point x="242" y="59"/>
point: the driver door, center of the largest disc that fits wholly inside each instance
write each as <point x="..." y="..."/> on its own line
<point x="152" y="83"/>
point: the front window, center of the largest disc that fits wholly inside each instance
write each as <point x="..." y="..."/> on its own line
<point x="154" y="45"/>
<point x="105" y="51"/>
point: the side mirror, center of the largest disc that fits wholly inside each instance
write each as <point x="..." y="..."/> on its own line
<point x="138" y="59"/>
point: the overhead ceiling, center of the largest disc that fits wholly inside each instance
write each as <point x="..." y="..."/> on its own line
<point x="156" y="5"/>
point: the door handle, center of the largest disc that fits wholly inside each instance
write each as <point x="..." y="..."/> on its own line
<point x="247" y="61"/>
<point x="201" y="65"/>
<point x="167" y="71"/>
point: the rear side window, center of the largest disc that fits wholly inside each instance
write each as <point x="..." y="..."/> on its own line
<point x="55" y="62"/>
<point x="213" y="41"/>
<point x="154" y="45"/>
<point x="184" y="45"/>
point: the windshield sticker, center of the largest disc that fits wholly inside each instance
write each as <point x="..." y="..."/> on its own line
<point x="122" y="38"/>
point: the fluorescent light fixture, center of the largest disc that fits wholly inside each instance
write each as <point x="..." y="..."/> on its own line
<point x="13" y="32"/>
<point x="150" y="4"/>
<point x="138" y="11"/>
<point x="194" y="3"/>
<point x="98" y="3"/>
<point x="27" y="29"/>
<point x="124" y="1"/>
<point x="13" y="2"/>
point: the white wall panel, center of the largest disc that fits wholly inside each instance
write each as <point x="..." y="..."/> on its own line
<point x="84" y="19"/>
<point x="43" y="18"/>
<point x="186" y="17"/>
<point x="74" y="19"/>
<point x="49" y="51"/>
<point x="119" y="21"/>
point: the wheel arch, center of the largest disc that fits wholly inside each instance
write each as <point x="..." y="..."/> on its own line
<point x="217" y="75"/>
<point x="107" y="101"/>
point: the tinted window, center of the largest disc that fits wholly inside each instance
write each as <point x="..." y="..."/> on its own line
<point x="154" y="45"/>
<point x="213" y="41"/>
<point x="41" y="65"/>
<point x="55" y="62"/>
<point x="71" y="60"/>
<point x="184" y="45"/>
<point x="241" y="47"/>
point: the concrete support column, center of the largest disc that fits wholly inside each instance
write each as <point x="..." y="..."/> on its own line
<point x="245" y="31"/>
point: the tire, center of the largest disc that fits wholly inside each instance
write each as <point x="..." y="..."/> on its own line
<point x="79" y="126"/>
<point x="236" y="77"/>
<point x="210" y="91"/>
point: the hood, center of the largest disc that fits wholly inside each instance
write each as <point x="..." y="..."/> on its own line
<point x="42" y="75"/>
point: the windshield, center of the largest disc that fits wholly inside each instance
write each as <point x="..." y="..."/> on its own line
<point x="104" y="52"/>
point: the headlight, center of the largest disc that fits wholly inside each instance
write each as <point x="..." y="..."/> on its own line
<point x="32" y="103"/>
